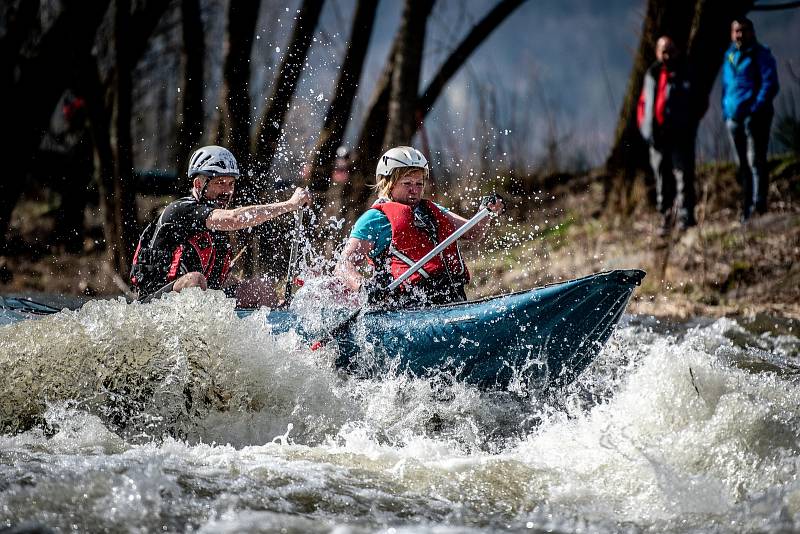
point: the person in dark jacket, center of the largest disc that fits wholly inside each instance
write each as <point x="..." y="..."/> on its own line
<point x="665" y="122"/>
<point x="749" y="84"/>
<point x="187" y="245"/>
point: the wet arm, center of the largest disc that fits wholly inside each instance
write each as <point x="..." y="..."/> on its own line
<point x="247" y="216"/>
<point x="354" y="257"/>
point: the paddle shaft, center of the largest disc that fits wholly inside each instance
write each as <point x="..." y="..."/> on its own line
<point x="294" y="255"/>
<point x="466" y="227"/>
<point x="478" y="217"/>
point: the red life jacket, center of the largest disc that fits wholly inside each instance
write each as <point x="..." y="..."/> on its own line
<point x="203" y="245"/>
<point x="410" y="244"/>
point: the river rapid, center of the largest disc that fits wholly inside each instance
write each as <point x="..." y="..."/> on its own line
<point x="179" y="416"/>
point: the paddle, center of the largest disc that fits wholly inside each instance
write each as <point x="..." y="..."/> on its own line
<point x="294" y="255"/>
<point x="466" y="227"/>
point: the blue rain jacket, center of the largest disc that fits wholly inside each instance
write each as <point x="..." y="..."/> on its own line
<point x="749" y="81"/>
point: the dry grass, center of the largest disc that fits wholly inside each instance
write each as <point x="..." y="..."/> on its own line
<point x="719" y="267"/>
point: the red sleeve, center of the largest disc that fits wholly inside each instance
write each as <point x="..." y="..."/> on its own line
<point x="640" y="109"/>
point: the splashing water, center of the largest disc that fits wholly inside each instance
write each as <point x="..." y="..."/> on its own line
<point x="179" y="415"/>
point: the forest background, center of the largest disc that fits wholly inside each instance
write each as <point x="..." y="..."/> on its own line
<point x="531" y="99"/>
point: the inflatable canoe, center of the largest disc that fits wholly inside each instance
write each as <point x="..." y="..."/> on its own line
<point x="542" y="338"/>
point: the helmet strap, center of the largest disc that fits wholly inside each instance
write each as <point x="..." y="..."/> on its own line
<point x="205" y="186"/>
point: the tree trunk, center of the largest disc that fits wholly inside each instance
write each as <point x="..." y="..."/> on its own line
<point x="406" y="73"/>
<point x="191" y="127"/>
<point x="235" y="120"/>
<point x="123" y="200"/>
<point x="32" y="83"/>
<point x="109" y="103"/>
<point x="367" y="149"/>
<point x="664" y="17"/>
<point x="271" y="125"/>
<point x="342" y="103"/>
<point x="628" y="154"/>
<point x="373" y="131"/>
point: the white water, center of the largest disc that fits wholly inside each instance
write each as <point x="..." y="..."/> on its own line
<point x="179" y="416"/>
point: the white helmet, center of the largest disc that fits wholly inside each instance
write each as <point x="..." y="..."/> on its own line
<point x="213" y="161"/>
<point x="400" y="156"/>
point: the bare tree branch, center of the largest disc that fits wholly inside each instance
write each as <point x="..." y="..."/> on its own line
<point x="775" y="7"/>
<point x="471" y="42"/>
<point x="269" y="130"/>
<point x="342" y="102"/>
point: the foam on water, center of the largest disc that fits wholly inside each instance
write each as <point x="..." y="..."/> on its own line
<point x="180" y="365"/>
<point x="122" y="412"/>
<point x="686" y="437"/>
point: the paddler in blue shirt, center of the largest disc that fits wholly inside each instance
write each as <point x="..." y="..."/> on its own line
<point x="400" y="228"/>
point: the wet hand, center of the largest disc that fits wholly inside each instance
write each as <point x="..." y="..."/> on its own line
<point x="494" y="203"/>
<point x="301" y="197"/>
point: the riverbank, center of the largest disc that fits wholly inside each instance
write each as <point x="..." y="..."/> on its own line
<point x="718" y="268"/>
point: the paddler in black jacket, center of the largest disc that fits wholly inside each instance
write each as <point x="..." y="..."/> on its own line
<point x="187" y="246"/>
<point x="400" y="228"/>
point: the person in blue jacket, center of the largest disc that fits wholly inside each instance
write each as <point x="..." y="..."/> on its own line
<point x="749" y="84"/>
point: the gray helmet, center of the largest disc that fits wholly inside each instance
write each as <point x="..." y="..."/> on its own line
<point x="213" y="161"/>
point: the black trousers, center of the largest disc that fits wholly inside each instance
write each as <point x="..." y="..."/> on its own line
<point x="429" y="292"/>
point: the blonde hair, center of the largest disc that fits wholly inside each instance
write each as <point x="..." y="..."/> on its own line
<point x="384" y="184"/>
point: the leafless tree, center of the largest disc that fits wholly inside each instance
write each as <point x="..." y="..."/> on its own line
<point x="374" y="129"/>
<point x="193" y="52"/>
<point x="235" y="120"/>
<point x="110" y="104"/>
<point x="338" y="114"/>
<point x="269" y="128"/>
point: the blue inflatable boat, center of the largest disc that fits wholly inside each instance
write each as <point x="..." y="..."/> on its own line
<point x="541" y="338"/>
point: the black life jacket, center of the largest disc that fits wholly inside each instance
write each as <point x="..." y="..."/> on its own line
<point x="153" y="267"/>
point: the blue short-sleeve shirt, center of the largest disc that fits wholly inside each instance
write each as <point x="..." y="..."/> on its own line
<point x="374" y="226"/>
